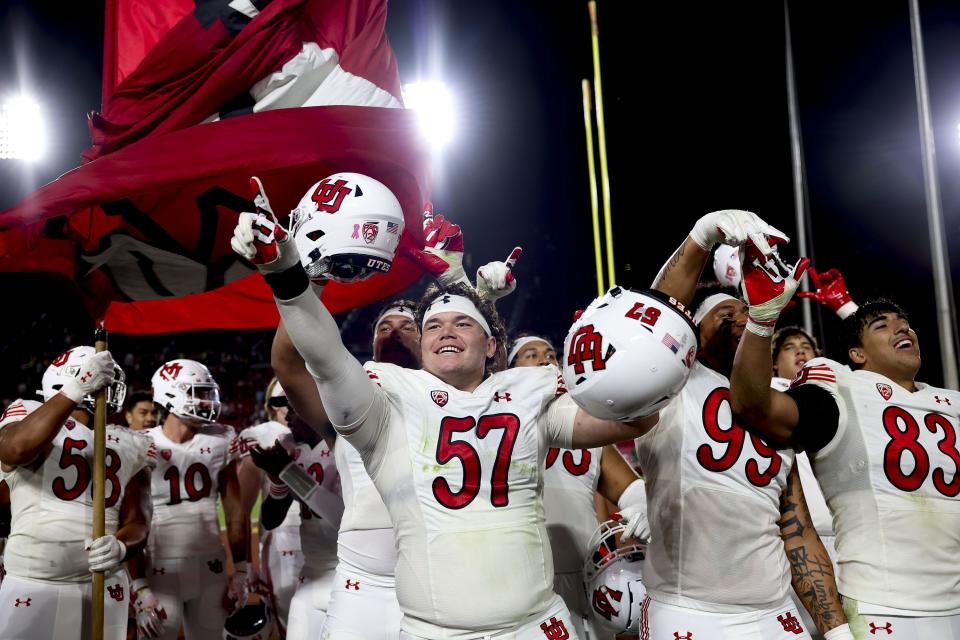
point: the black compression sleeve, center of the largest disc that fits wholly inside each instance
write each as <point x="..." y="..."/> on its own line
<point x="289" y="283"/>
<point x="819" y="417"/>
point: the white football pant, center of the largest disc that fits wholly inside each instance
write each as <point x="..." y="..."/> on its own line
<point x="659" y="620"/>
<point x="555" y="624"/>
<point x="191" y="591"/>
<point x="308" y="608"/>
<point x="362" y="607"/>
<point x="281" y="562"/>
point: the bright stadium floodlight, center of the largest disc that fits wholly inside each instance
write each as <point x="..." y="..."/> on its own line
<point x="22" y="135"/>
<point x="434" y="106"/>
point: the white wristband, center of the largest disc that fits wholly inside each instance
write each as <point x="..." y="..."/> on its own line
<point x="139" y="583"/>
<point x="241" y="567"/>
<point x="847" y="309"/>
<point x="839" y="633"/>
<point x="762" y="330"/>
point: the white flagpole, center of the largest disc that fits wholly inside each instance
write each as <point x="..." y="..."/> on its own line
<point x="946" y="313"/>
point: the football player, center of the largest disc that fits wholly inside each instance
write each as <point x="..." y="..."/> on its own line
<point x="458" y="471"/>
<point x="281" y="558"/>
<point x="140" y="412"/>
<point x="185" y="574"/>
<point x="705" y="475"/>
<point x="45" y="451"/>
<point x="882" y="445"/>
<point x="571" y="481"/>
<point x="302" y="466"/>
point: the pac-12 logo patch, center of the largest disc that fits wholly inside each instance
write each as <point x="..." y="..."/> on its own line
<point x="370" y="232"/>
<point x="440" y="397"/>
<point x="885" y="390"/>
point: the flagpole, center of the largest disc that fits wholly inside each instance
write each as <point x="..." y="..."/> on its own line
<point x="592" y="175"/>
<point x="99" y="486"/>
<point x="799" y="175"/>
<point x="946" y="313"/>
<point x="602" y="140"/>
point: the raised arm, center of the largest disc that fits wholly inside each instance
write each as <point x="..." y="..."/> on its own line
<point x="679" y="276"/>
<point x="811" y="570"/>
<point x="346" y="391"/>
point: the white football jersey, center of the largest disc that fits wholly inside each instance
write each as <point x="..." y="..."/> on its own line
<point x="266" y="435"/>
<point x="51" y="499"/>
<point x="713" y="494"/>
<point x="812" y="493"/>
<point x="318" y="538"/>
<point x="185" y="488"/>
<point x="461" y="475"/>
<point x="569" y="484"/>
<point x="366" y="543"/>
<point x="891" y="476"/>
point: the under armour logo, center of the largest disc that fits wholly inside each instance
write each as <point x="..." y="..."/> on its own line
<point x="206" y="449"/>
<point x="301" y="579"/>
<point x="216" y="566"/>
<point x="686" y="636"/>
<point x="497" y="397"/>
<point x="887" y="627"/>
<point x="25" y="602"/>
<point x="116" y="592"/>
<point x="352" y="584"/>
<point x="85" y="377"/>
<point x="286" y="552"/>
<point x="941" y="400"/>
<point x="159" y="571"/>
<point x="111" y="438"/>
<point x="554" y="629"/>
<point x="325" y="453"/>
<point x="790" y="623"/>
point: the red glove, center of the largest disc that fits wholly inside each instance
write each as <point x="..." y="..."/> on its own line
<point x="831" y="292"/>
<point x="768" y="284"/>
<point x="442" y="253"/>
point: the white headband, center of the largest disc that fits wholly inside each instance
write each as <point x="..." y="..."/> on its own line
<point x="521" y="343"/>
<point x="452" y="302"/>
<point x="399" y="310"/>
<point x="277" y="391"/>
<point x="708" y="305"/>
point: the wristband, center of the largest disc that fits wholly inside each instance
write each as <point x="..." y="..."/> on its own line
<point x="839" y="633"/>
<point x="761" y="329"/>
<point x="847" y="309"/>
<point x="289" y="283"/>
<point x="299" y="481"/>
<point x="241" y="567"/>
<point x="138" y="584"/>
<point x="278" y="491"/>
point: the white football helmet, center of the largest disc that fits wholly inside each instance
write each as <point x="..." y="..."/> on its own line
<point x="726" y="265"/>
<point x="612" y="579"/>
<point x="347" y="227"/>
<point x="629" y="353"/>
<point x="186" y="389"/>
<point x="67" y="365"/>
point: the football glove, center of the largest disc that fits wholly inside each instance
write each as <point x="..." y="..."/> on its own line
<point x="768" y="284"/>
<point x="105" y="553"/>
<point x="633" y="512"/>
<point x="734" y="227"/>
<point x="96" y="372"/>
<point x="442" y="253"/>
<point x="831" y="292"/>
<point x="495" y="279"/>
<point x="150" y="615"/>
<point x="259" y="238"/>
<point x="238" y="589"/>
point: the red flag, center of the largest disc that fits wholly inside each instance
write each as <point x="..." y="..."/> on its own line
<point x="144" y="228"/>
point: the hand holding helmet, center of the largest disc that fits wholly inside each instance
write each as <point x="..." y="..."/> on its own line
<point x="94" y="373"/>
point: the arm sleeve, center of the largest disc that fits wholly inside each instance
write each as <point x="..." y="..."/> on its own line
<point x="559" y="419"/>
<point x="819" y="416"/>
<point x="346" y="391"/>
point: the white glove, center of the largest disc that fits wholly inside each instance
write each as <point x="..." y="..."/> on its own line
<point x="495" y="279"/>
<point x="734" y="227"/>
<point x="150" y="615"/>
<point x="238" y="589"/>
<point x="259" y="238"/>
<point x="96" y="372"/>
<point x="105" y="553"/>
<point x="839" y="633"/>
<point x="633" y="511"/>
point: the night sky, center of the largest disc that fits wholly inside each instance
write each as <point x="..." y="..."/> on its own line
<point x="696" y="115"/>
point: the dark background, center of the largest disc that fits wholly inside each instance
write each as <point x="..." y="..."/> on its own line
<point x="696" y="119"/>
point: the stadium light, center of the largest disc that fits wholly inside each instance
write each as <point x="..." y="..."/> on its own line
<point x="22" y="135"/>
<point x="434" y="105"/>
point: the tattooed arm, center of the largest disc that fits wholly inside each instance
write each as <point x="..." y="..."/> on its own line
<point x="679" y="276"/>
<point x="811" y="570"/>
